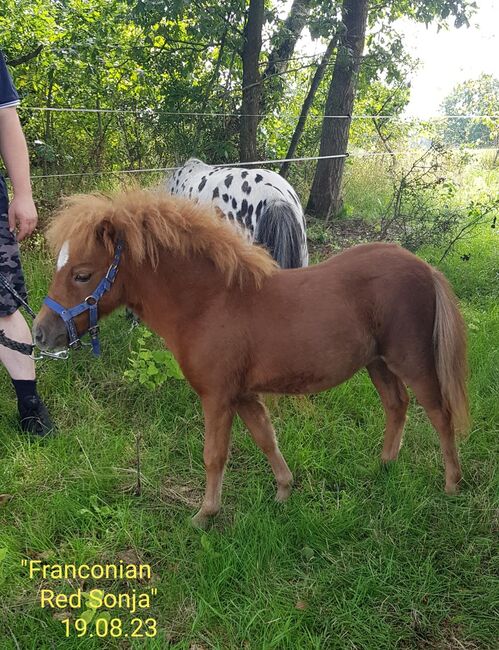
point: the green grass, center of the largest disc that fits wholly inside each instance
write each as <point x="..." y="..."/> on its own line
<point x="357" y="558"/>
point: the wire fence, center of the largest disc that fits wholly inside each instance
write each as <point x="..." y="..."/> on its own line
<point x="92" y="165"/>
<point x="170" y="169"/>
<point x="358" y="154"/>
<point x="152" y="111"/>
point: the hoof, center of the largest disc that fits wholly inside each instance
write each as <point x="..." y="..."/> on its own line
<point x="201" y="521"/>
<point x="452" y="488"/>
<point x="283" y="492"/>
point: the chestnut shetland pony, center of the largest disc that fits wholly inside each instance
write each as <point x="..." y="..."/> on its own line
<point x="239" y="326"/>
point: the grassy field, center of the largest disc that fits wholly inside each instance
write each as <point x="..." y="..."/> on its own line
<point x="359" y="557"/>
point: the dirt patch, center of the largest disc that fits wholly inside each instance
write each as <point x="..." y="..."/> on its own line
<point x="326" y="240"/>
<point x="174" y="491"/>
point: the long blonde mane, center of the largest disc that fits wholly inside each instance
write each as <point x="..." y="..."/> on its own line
<point x="150" y="221"/>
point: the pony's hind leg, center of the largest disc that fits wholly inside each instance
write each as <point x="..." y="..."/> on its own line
<point x="427" y="392"/>
<point x="254" y="414"/>
<point x="442" y="424"/>
<point x="395" y="400"/>
<point x="218" y="422"/>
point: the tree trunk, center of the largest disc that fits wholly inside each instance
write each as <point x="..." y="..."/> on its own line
<point x="285" y="41"/>
<point x="251" y="81"/>
<point x="325" y="199"/>
<point x="48" y="118"/>
<point x="316" y="81"/>
<point x="287" y="36"/>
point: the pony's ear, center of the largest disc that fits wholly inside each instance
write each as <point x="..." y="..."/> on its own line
<point x="106" y="234"/>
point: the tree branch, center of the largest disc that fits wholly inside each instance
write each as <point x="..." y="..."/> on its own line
<point x="24" y="58"/>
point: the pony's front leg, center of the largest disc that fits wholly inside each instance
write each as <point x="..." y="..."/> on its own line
<point x="218" y="418"/>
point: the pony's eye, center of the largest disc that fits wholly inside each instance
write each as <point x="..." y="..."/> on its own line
<point x="82" y="277"/>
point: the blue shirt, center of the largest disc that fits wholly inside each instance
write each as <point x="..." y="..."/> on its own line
<point x="8" y="93"/>
<point x="8" y="97"/>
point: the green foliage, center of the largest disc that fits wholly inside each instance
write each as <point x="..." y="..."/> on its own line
<point x="382" y="133"/>
<point x="176" y="57"/>
<point x="96" y="509"/>
<point x="473" y="97"/>
<point x="426" y="11"/>
<point x="151" y="367"/>
<point x="433" y="197"/>
<point x="126" y="56"/>
<point x="318" y="233"/>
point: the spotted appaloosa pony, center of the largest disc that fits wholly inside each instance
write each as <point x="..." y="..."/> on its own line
<point x="239" y="326"/>
<point x="259" y="202"/>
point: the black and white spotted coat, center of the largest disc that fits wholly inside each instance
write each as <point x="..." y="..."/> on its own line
<point x="259" y="202"/>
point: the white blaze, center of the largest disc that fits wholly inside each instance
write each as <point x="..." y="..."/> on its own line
<point x="63" y="256"/>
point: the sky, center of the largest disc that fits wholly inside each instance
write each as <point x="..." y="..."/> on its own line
<point x="450" y="57"/>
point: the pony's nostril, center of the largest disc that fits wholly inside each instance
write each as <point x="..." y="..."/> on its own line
<point x="39" y="336"/>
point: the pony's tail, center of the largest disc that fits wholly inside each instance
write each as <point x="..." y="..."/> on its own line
<point x="279" y="231"/>
<point x="449" y="343"/>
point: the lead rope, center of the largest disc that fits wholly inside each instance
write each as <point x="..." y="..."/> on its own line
<point x="25" y="348"/>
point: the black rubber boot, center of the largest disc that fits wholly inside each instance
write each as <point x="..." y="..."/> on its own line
<point x="35" y="418"/>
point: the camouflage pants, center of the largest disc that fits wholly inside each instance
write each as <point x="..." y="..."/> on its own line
<point x="10" y="264"/>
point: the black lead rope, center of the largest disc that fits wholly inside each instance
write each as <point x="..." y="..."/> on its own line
<point x="23" y="348"/>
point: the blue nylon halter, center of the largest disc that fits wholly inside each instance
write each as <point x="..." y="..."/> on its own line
<point x="90" y="304"/>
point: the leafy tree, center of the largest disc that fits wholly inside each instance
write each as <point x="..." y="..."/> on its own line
<point x="473" y="97"/>
<point x="325" y="194"/>
<point x="188" y="61"/>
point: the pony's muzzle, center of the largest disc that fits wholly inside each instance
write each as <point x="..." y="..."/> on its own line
<point x="49" y="331"/>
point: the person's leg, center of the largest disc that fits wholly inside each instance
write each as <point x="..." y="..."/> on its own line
<point x="33" y="414"/>
<point x="21" y="368"/>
